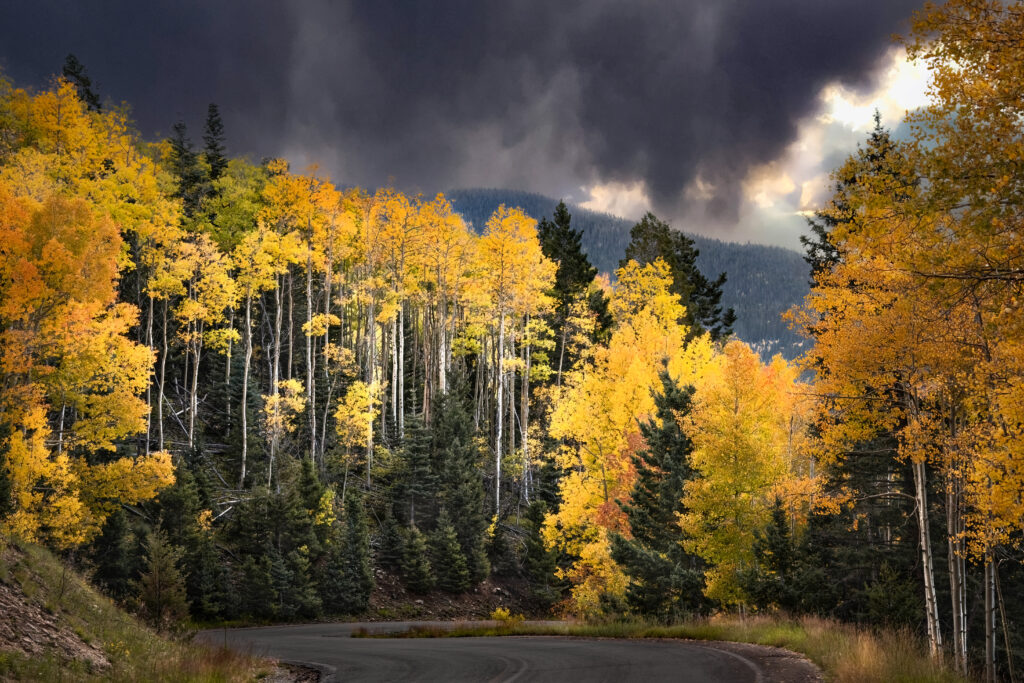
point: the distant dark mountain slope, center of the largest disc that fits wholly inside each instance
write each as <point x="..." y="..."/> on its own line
<point x="763" y="281"/>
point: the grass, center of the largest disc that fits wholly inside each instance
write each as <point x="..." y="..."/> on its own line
<point x="843" y="652"/>
<point x="135" y="652"/>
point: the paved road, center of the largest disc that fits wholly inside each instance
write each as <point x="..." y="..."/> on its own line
<point x="519" y="658"/>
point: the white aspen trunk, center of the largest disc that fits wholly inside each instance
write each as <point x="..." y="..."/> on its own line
<point x="957" y="589"/>
<point x="194" y="397"/>
<point x="310" y="384"/>
<point x="275" y="378"/>
<point x="227" y="369"/>
<point x="524" y="416"/>
<point x="149" y="388"/>
<point x="291" y="327"/>
<point x="990" y="619"/>
<point x="394" y="369"/>
<point x="163" y="377"/>
<point x="928" y="566"/>
<point x="371" y="334"/>
<point x="401" y="371"/>
<point x="499" y="414"/>
<point x="245" y="386"/>
<point x="561" y="354"/>
<point x="442" y="351"/>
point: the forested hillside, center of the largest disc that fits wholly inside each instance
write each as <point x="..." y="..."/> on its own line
<point x="232" y="390"/>
<point x="763" y="281"/>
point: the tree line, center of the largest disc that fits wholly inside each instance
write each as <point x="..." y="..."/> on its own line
<point x="246" y="378"/>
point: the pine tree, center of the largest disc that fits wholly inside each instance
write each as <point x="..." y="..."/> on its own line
<point x="417" y="574"/>
<point x="653" y="238"/>
<point x="446" y="558"/>
<point x="539" y="562"/>
<point x="255" y="585"/>
<point x="213" y="139"/>
<point x="191" y="180"/>
<point x="500" y="552"/>
<point x="161" y="588"/>
<point x="114" y="557"/>
<point x="391" y="545"/>
<point x="74" y="71"/>
<point x="665" y="581"/>
<point x="457" y="460"/>
<point x="562" y="244"/>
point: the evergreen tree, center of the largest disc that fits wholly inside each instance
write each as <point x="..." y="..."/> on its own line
<point x="562" y="244"/>
<point x="457" y="460"/>
<point x="359" y="574"/>
<point x="74" y="71"/>
<point x="255" y="586"/>
<point x="415" y="487"/>
<point x="213" y="140"/>
<point x="417" y="574"/>
<point x="665" y="581"/>
<point x="653" y="238"/>
<point x="500" y="552"/>
<point x="391" y="545"/>
<point x="114" y="557"/>
<point x="161" y="588"/>
<point x="452" y="574"/>
<point x="539" y="562"/>
<point x="191" y="179"/>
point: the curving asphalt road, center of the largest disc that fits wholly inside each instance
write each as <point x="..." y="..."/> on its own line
<point x="340" y="657"/>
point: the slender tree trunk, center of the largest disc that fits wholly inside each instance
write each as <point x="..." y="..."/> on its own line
<point x="956" y="576"/>
<point x="401" y="371"/>
<point x="524" y="416"/>
<point x="499" y="414"/>
<point x="1005" y="625"/>
<point x="227" y="371"/>
<point x="442" y="355"/>
<point x="291" y="326"/>
<point x="561" y="354"/>
<point x="990" y="619"/>
<point x="371" y="334"/>
<point x="310" y="385"/>
<point x="149" y="388"/>
<point x="395" y="372"/>
<point x="245" y="386"/>
<point x="928" y="565"/>
<point x="275" y="379"/>
<point x="163" y="377"/>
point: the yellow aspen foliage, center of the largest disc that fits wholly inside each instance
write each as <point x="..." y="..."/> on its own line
<point x="355" y="414"/>
<point x="748" y="431"/>
<point x="281" y="409"/>
<point x="597" y="414"/>
<point x="71" y="375"/>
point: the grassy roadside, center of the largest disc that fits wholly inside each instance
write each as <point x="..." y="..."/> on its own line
<point x="843" y="652"/>
<point x="133" y="652"/>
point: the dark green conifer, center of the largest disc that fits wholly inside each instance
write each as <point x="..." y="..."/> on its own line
<point x="665" y="581"/>
<point x="651" y="239"/>
<point x="191" y="179"/>
<point x="161" y="587"/>
<point x="74" y="71"/>
<point x="213" y="140"/>
<point x="391" y="545"/>
<point x="457" y="460"/>
<point x="446" y="558"/>
<point x="539" y="562"/>
<point x="417" y="574"/>
<point x="114" y="557"/>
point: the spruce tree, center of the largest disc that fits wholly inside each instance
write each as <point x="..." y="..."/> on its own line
<point x="255" y="586"/>
<point x="540" y="562"/>
<point x="651" y="239"/>
<point x="114" y="557"/>
<point x="457" y="460"/>
<point x="562" y="244"/>
<point x="213" y="140"/>
<point x="74" y="71"/>
<point x="665" y="581"/>
<point x="446" y="558"/>
<point x="417" y="574"/>
<point x="391" y="545"/>
<point x="191" y="179"/>
<point x="161" y="588"/>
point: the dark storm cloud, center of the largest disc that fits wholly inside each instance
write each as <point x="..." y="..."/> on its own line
<point x="538" y="95"/>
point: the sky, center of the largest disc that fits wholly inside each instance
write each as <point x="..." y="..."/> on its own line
<point x="724" y="117"/>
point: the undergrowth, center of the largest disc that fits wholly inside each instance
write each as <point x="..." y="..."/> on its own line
<point x="135" y="652"/>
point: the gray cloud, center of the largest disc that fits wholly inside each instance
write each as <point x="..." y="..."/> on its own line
<point x="543" y="96"/>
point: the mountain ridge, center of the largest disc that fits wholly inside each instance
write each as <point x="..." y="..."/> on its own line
<point x="763" y="281"/>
